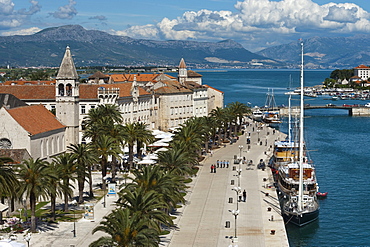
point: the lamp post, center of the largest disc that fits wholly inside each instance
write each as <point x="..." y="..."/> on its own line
<point x="20" y="214"/>
<point x="240" y="162"/>
<point x="105" y="185"/>
<point x="240" y="151"/>
<point x="235" y="213"/>
<point x="258" y="135"/>
<point x="237" y="190"/>
<point x="74" y="202"/>
<point x="27" y="238"/>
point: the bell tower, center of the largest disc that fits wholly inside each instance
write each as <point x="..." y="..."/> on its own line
<point x="67" y="97"/>
<point x="183" y="73"/>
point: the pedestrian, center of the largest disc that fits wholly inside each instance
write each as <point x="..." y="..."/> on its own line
<point x="224" y="164"/>
<point x="218" y="163"/>
<point x="211" y="153"/>
<point x="227" y="164"/>
<point x="253" y="129"/>
<point x="244" y="195"/>
<point x="212" y="167"/>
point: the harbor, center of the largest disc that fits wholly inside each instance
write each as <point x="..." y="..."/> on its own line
<point x="210" y="216"/>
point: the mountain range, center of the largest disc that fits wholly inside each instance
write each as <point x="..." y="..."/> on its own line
<point x="92" y="47"/>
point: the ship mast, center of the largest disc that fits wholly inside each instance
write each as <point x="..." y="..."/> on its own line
<point x="300" y="188"/>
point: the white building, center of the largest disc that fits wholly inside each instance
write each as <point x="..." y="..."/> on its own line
<point x="33" y="128"/>
<point x="161" y="101"/>
<point x="362" y="71"/>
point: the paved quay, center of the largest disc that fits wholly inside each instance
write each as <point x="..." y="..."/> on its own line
<point x="203" y="221"/>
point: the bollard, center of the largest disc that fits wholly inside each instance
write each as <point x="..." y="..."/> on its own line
<point x="232" y="182"/>
<point x="272" y="232"/>
<point x="234" y="168"/>
<point x="227" y="224"/>
<point x="268" y="209"/>
<point x="230" y="200"/>
<point x="272" y="218"/>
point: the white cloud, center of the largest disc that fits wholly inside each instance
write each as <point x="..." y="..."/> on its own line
<point x="27" y="31"/>
<point x="259" y="23"/>
<point x="10" y="18"/>
<point x="65" y="12"/>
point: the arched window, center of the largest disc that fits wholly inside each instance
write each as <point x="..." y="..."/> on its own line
<point x="61" y="89"/>
<point x="5" y="143"/>
<point x="69" y="90"/>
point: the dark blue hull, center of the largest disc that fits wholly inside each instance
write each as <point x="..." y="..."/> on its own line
<point x="301" y="220"/>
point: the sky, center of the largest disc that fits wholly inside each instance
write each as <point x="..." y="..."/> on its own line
<point x="256" y="24"/>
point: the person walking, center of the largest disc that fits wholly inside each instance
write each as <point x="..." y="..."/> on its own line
<point x="218" y="163"/>
<point x="212" y="167"/>
<point x="244" y="195"/>
<point x="227" y="164"/>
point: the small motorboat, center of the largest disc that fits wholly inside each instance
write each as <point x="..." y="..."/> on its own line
<point x="321" y="195"/>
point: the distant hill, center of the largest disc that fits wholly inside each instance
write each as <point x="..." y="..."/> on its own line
<point x="91" y="47"/>
<point x="323" y="52"/>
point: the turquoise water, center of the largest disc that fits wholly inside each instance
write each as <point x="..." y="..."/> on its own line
<point x="340" y="151"/>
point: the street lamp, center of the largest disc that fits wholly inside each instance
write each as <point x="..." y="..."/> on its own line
<point x="240" y="151"/>
<point x="258" y="135"/>
<point x="74" y="202"/>
<point x="20" y="214"/>
<point x="237" y="190"/>
<point x="235" y="213"/>
<point x="27" y="238"/>
<point x="105" y="185"/>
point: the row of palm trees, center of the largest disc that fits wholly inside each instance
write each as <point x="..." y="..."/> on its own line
<point x="144" y="205"/>
<point x="38" y="179"/>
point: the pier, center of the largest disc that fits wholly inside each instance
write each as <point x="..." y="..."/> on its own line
<point x="353" y="110"/>
<point x="209" y="217"/>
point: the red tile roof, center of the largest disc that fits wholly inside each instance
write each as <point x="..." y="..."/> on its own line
<point x="130" y="77"/>
<point x="47" y="92"/>
<point x="213" y="88"/>
<point x="27" y="92"/>
<point x="90" y="91"/>
<point x="35" y="119"/>
<point x="362" y="67"/>
<point x="29" y="82"/>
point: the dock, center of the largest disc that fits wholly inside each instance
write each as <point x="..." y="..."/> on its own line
<point x="208" y="218"/>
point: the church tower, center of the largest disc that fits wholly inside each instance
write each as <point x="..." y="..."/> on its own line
<point x="67" y="98"/>
<point x="183" y="73"/>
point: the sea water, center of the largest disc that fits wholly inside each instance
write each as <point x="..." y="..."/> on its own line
<point x="339" y="147"/>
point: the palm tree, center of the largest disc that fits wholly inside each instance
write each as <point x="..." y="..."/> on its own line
<point x="105" y="146"/>
<point x="130" y="137"/>
<point x="220" y="119"/>
<point x="34" y="176"/>
<point x="126" y="230"/>
<point x="143" y="136"/>
<point x="66" y="170"/>
<point x="168" y="185"/>
<point x="84" y="157"/>
<point x="237" y="111"/>
<point x="8" y="179"/>
<point x="177" y="160"/>
<point x="145" y="204"/>
<point x="56" y="188"/>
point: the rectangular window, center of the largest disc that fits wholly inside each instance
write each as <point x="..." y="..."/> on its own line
<point x="83" y="109"/>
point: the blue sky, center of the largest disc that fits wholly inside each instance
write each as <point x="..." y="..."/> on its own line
<point x="256" y="24"/>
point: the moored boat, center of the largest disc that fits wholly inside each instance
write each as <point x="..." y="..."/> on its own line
<point x="296" y="180"/>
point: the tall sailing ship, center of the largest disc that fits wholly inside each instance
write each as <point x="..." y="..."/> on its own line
<point x="296" y="177"/>
<point x="271" y="115"/>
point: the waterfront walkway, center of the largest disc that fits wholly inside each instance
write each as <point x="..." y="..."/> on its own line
<point x="205" y="220"/>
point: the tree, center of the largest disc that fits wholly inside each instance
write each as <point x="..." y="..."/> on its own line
<point x="237" y="111"/>
<point x="34" y="176"/>
<point x="144" y="136"/>
<point x="134" y="132"/>
<point x="84" y="157"/>
<point x="145" y="204"/>
<point x="177" y="160"/>
<point x="66" y="170"/>
<point x="8" y="179"/>
<point x="167" y="185"/>
<point x="56" y="186"/>
<point x="105" y="146"/>
<point x="126" y="230"/>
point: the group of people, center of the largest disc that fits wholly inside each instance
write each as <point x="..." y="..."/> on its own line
<point x="220" y="164"/>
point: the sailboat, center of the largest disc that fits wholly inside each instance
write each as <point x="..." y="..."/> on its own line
<point x="271" y="115"/>
<point x="296" y="180"/>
